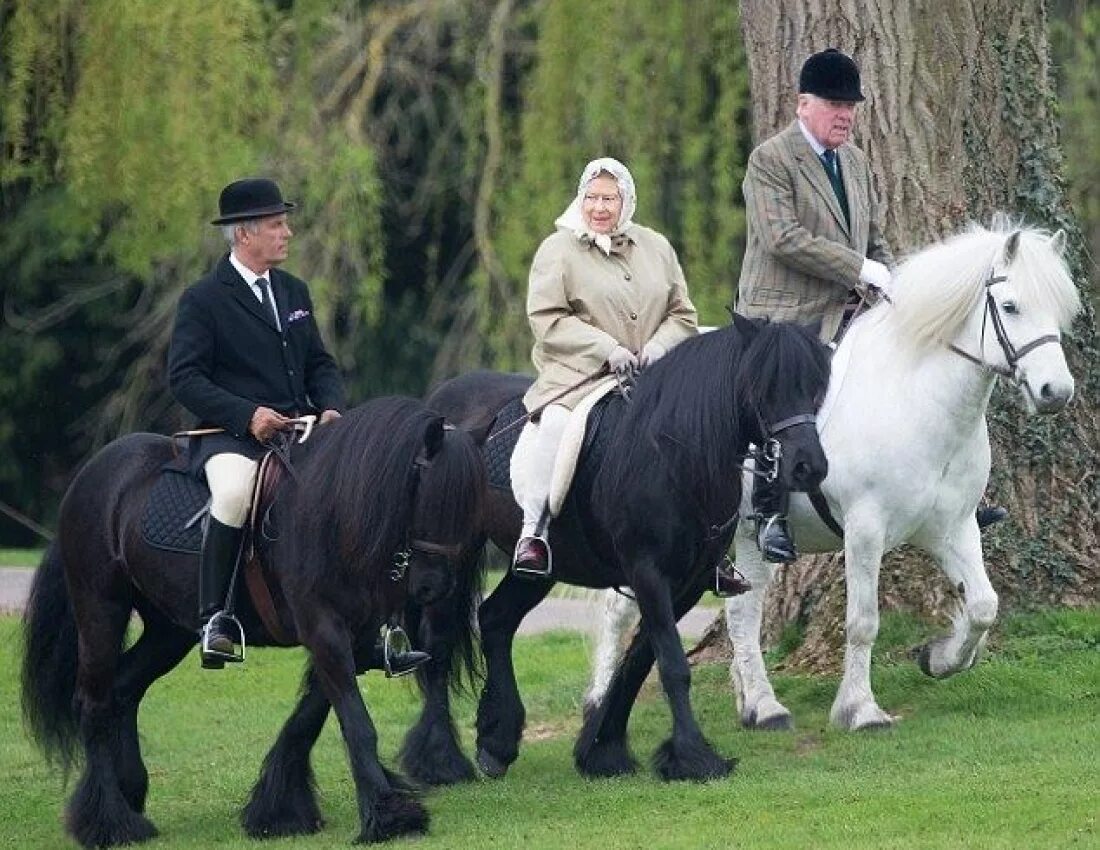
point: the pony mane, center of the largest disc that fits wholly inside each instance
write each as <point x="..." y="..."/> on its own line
<point x="938" y="287"/>
<point x="365" y="462"/>
<point x="702" y="404"/>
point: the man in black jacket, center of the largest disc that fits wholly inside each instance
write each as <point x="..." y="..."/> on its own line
<point x="246" y="356"/>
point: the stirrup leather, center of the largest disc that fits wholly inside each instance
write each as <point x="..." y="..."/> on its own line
<point x="209" y="654"/>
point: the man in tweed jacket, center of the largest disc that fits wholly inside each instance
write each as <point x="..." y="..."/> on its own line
<point x="814" y="235"/>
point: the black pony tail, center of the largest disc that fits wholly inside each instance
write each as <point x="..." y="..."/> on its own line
<point x="49" y="662"/>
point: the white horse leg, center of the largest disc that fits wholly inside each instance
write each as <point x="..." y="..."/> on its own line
<point x="620" y="615"/>
<point x="855" y="707"/>
<point x="960" y="557"/>
<point x="756" y="702"/>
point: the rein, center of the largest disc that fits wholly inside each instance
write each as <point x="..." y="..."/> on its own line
<point x="527" y="417"/>
<point x="402" y="557"/>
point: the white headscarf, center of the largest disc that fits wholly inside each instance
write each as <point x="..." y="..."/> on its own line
<point x="573" y="217"/>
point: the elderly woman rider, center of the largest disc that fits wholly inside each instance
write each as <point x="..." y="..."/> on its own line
<point x="602" y="290"/>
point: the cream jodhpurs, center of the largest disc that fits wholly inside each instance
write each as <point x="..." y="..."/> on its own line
<point x="551" y="428"/>
<point x="231" y="478"/>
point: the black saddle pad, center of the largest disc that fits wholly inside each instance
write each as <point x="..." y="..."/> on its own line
<point x="497" y="450"/>
<point x="173" y="514"/>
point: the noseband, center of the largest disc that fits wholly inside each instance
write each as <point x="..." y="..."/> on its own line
<point x="772" y="450"/>
<point x="1013" y="355"/>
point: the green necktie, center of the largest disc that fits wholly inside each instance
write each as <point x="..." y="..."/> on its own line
<point x="832" y="169"/>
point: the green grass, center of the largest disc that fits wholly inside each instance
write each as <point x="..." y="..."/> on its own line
<point x="20" y="557"/>
<point x="1005" y="756"/>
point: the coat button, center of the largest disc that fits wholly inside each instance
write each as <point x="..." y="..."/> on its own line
<point x="284" y="343"/>
<point x="626" y="276"/>
<point x="290" y="372"/>
<point x="634" y="316"/>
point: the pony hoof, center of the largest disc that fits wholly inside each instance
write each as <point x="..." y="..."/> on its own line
<point x="490" y="765"/>
<point x="923" y="656"/>
<point x="695" y="763"/>
<point x="395" y="813"/>
<point x="775" y="723"/>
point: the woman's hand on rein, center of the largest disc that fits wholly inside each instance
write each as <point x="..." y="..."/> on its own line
<point x="622" y="361"/>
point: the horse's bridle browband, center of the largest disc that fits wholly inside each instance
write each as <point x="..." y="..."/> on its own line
<point x="1012" y="354"/>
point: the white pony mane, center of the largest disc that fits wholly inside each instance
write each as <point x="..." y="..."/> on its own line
<point x="938" y="287"/>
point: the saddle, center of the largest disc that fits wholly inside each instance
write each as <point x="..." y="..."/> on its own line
<point x="173" y="521"/>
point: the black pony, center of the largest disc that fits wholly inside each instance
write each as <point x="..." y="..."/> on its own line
<point x="388" y="477"/>
<point x="655" y="513"/>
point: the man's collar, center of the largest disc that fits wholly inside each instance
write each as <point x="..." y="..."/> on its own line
<point x="819" y="148"/>
<point x="244" y="271"/>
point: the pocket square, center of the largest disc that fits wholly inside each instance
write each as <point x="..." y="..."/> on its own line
<point x="297" y="316"/>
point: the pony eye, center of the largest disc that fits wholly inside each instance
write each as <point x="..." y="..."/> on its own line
<point x="1010" y="307"/>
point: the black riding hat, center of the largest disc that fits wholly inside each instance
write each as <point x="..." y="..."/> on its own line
<point x="831" y="75"/>
<point x="253" y="197"/>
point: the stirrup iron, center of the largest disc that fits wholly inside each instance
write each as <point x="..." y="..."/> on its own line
<point x="394" y="642"/>
<point x="527" y="572"/>
<point x="212" y="659"/>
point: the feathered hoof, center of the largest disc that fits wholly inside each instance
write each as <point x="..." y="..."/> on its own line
<point x="130" y="828"/>
<point x="281" y="824"/>
<point x="436" y="761"/>
<point x="605" y="760"/>
<point x="696" y="762"/>
<point x="490" y="765"/>
<point x="395" y="813"/>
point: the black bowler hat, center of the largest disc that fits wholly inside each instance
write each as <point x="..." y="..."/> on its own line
<point x="254" y="197"/>
<point x="830" y="75"/>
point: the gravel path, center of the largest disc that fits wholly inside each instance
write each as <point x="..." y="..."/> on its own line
<point x="577" y="614"/>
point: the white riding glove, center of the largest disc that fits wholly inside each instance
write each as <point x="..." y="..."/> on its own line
<point x="876" y="276"/>
<point x="652" y="351"/>
<point x="622" y="361"/>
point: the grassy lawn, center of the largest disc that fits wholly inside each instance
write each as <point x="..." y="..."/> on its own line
<point x="1005" y="756"/>
<point x="20" y="557"/>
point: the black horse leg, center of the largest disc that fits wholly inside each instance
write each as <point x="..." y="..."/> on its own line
<point x="601" y="748"/>
<point x="283" y="800"/>
<point x="98" y="813"/>
<point x="500" y="712"/>
<point x="385" y="811"/>
<point x="161" y="646"/>
<point x="430" y="753"/>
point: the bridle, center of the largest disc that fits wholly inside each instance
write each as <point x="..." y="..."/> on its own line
<point x="402" y="557"/>
<point x="1013" y="355"/>
<point x="771" y="449"/>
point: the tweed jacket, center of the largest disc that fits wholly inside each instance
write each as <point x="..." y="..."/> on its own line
<point x="801" y="257"/>
<point x="227" y="358"/>
<point x="581" y="303"/>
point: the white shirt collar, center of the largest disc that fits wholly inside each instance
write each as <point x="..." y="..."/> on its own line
<point x="250" y="277"/>
<point x="819" y="148"/>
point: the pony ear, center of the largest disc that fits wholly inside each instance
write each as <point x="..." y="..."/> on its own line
<point x="1058" y="243"/>
<point x="1001" y="222"/>
<point x="1011" y="246"/>
<point x="745" y="326"/>
<point x="433" y="438"/>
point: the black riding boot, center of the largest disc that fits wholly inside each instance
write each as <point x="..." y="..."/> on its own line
<point x="401" y="662"/>
<point x="220" y="548"/>
<point x="769" y="503"/>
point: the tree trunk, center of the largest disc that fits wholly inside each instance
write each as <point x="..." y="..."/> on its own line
<point x="959" y="122"/>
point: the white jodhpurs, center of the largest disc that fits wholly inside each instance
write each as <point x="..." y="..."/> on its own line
<point x="540" y="466"/>
<point x="231" y="478"/>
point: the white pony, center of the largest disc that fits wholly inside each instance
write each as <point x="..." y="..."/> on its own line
<point x="903" y="426"/>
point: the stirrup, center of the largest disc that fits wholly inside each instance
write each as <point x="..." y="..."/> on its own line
<point x="775" y="557"/>
<point x="395" y="642"/>
<point x="736" y="581"/>
<point x="215" y="659"/>
<point x="529" y="572"/>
